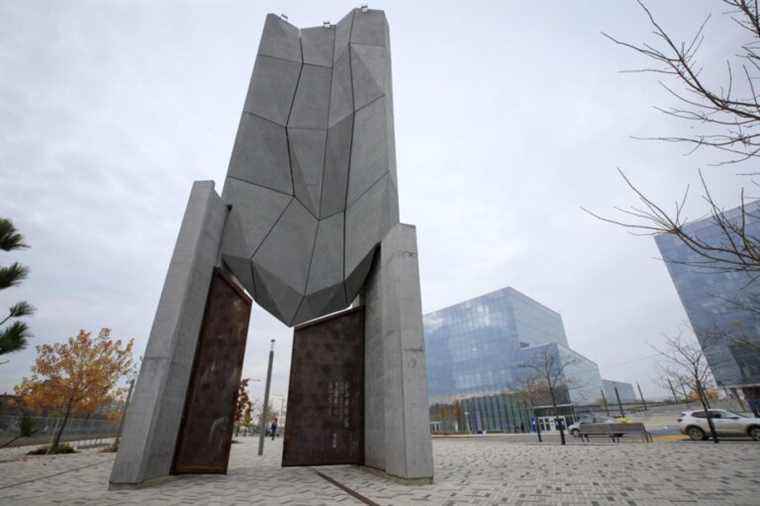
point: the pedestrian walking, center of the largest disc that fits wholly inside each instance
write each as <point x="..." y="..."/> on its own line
<point x="274" y="428"/>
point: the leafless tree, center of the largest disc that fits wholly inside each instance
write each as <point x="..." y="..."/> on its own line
<point x="684" y="361"/>
<point x="730" y="112"/>
<point x="534" y="392"/>
<point x="549" y="373"/>
<point x="737" y="249"/>
<point x="665" y="380"/>
<point x="730" y="116"/>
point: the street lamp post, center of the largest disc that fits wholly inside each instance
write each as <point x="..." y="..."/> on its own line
<point x="263" y="421"/>
<point x="606" y="406"/>
<point x="620" y="404"/>
<point x="642" y="396"/>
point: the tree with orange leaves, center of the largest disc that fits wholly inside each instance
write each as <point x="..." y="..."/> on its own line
<point x="243" y="405"/>
<point x="78" y="376"/>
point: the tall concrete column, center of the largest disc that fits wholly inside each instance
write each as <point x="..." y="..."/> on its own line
<point x="152" y="421"/>
<point x="397" y="422"/>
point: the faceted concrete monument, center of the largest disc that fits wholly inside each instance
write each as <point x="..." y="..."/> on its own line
<point x="312" y="179"/>
<point x="307" y="223"/>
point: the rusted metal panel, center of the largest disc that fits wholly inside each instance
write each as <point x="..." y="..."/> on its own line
<point x="325" y="417"/>
<point x="205" y="435"/>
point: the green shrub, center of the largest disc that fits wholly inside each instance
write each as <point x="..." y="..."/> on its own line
<point x="26" y="426"/>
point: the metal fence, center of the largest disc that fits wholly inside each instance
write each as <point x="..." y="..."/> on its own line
<point x="80" y="433"/>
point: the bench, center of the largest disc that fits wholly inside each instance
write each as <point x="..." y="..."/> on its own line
<point x="614" y="431"/>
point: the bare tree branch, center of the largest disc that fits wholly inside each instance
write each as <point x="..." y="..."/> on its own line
<point x="736" y="249"/>
<point x="686" y="363"/>
<point x="728" y="112"/>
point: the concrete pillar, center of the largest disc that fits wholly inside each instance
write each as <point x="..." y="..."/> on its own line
<point x="397" y="422"/>
<point x="152" y="421"/>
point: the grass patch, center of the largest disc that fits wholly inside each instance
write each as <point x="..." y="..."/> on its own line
<point x="62" y="449"/>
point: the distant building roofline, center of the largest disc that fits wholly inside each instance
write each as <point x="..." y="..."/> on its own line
<point x="492" y="292"/>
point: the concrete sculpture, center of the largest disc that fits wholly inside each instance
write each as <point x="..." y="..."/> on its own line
<point x="307" y="223"/>
<point x="312" y="178"/>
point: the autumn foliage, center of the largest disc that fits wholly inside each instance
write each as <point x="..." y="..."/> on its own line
<point x="243" y="405"/>
<point x="711" y="394"/>
<point x="78" y="376"/>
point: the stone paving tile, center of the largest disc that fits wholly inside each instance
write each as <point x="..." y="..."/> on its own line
<point x="251" y="480"/>
<point x="496" y="471"/>
<point x="487" y="471"/>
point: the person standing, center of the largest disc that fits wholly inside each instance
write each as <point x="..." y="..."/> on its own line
<point x="274" y="428"/>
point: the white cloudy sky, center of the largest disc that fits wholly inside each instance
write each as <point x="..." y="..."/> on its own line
<point x="509" y="116"/>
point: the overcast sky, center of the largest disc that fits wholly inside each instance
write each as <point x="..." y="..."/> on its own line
<point x="509" y="116"/>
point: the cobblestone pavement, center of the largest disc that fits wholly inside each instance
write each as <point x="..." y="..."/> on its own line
<point x="487" y="470"/>
<point x="497" y="471"/>
<point x="84" y="480"/>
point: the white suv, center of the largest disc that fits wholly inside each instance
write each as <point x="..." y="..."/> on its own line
<point x="727" y="423"/>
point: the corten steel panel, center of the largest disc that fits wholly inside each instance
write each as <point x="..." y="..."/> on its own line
<point x="205" y="435"/>
<point x="325" y="417"/>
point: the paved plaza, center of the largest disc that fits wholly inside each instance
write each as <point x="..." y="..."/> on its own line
<point x="481" y="470"/>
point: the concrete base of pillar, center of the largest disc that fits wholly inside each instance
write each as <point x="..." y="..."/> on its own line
<point x="397" y="423"/>
<point x="146" y="450"/>
<point x="155" y="482"/>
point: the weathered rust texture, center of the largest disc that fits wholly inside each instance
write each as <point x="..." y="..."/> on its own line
<point x="325" y="417"/>
<point x="205" y="436"/>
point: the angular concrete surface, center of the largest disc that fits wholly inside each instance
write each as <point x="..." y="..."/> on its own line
<point x="312" y="101"/>
<point x="307" y="154"/>
<point x="317" y="44"/>
<point x="270" y="95"/>
<point x="337" y="166"/>
<point x="152" y="422"/>
<point x="256" y="209"/>
<point x="317" y="125"/>
<point x="369" y="149"/>
<point x="371" y="215"/>
<point x="308" y="220"/>
<point x="369" y="71"/>
<point x="280" y="39"/>
<point x="261" y="155"/>
<point x="341" y="93"/>
<point x="290" y="243"/>
<point x="397" y="431"/>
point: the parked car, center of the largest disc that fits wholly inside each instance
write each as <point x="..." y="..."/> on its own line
<point x="575" y="429"/>
<point x="727" y="423"/>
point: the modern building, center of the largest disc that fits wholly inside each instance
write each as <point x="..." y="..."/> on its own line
<point x="624" y="390"/>
<point x="723" y="306"/>
<point x="502" y="412"/>
<point x="488" y="346"/>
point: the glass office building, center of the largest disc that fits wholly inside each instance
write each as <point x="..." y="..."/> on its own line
<point x="502" y="412"/>
<point x="624" y="390"/>
<point x="478" y="349"/>
<point x="723" y="307"/>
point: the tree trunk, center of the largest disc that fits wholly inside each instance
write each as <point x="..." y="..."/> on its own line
<point x="706" y="408"/>
<point x="59" y="432"/>
<point x="538" y="424"/>
<point x="11" y="441"/>
<point x="556" y="419"/>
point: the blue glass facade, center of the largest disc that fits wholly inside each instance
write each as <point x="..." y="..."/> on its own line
<point x="476" y="348"/>
<point x="487" y="413"/>
<point x="624" y="390"/>
<point x="723" y="307"/>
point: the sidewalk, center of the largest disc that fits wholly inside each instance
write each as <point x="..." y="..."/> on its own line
<point x="486" y="470"/>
